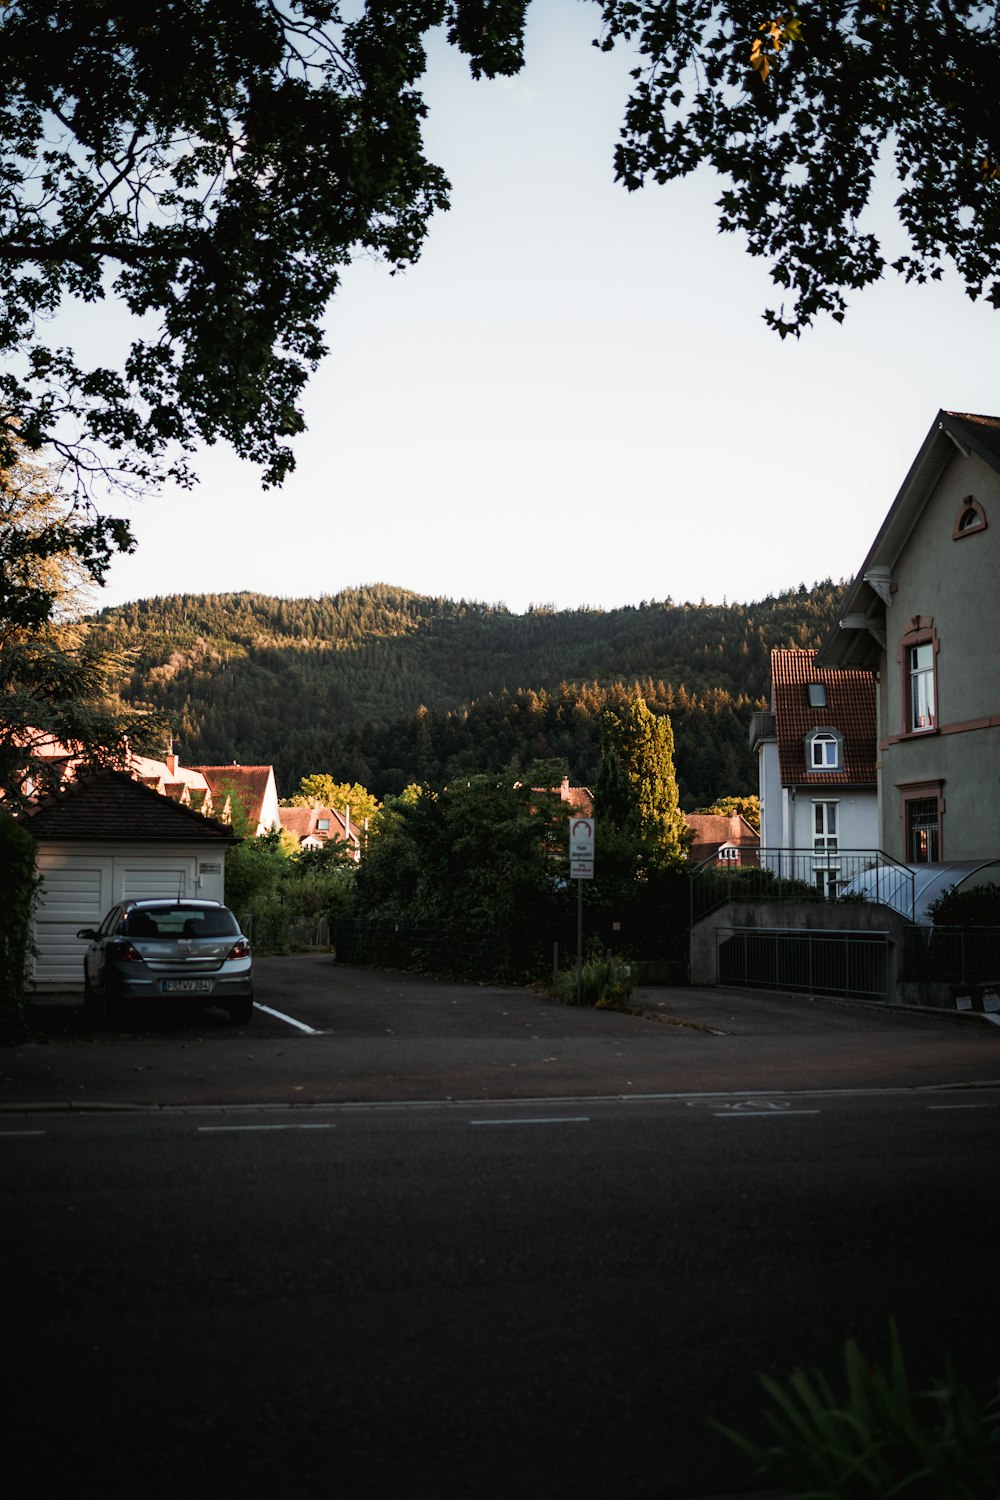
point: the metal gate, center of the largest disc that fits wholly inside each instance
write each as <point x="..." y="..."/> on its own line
<point x="810" y="960"/>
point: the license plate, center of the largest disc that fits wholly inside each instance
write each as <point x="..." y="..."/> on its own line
<point x="187" y="986"/>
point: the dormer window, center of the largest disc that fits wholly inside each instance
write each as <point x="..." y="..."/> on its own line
<point x="816" y="692"/>
<point x="971" y="517"/>
<point x="823" y="750"/>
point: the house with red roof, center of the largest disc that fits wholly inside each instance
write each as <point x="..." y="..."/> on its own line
<point x="251" y="793"/>
<point x="816" y="755"/>
<point x="724" y="837"/>
<point x="316" y="826"/>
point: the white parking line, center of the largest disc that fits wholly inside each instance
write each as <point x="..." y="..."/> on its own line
<point x="280" y="1016"/>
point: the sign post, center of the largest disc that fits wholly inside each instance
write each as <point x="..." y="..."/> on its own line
<point x="581" y="868"/>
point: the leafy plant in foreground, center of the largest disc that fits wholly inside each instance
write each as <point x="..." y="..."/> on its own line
<point x="883" y="1440"/>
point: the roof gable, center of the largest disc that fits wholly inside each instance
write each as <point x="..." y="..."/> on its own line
<point x="249" y="784"/>
<point x="856" y="638"/>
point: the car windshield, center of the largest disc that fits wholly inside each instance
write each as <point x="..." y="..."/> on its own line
<point x="181" y="921"/>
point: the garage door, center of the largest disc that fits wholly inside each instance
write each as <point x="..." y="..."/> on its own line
<point x="73" y="895"/>
<point x="78" y="889"/>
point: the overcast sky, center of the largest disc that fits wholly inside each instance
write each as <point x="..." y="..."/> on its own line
<point x="572" y="398"/>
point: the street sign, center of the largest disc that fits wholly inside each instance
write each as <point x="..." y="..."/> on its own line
<point x="581" y="848"/>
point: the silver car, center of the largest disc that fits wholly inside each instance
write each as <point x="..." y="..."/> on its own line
<point x="168" y="950"/>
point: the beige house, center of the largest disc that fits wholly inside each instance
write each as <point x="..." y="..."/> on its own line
<point x="924" y="615"/>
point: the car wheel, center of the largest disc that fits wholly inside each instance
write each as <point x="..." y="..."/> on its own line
<point x="241" y="1011"/>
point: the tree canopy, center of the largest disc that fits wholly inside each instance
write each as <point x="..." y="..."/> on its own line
<point x="212" y="165"/>
<point x="798" y="111"/>
<point x="56" y="676"/>
<point x="637" y="787"/>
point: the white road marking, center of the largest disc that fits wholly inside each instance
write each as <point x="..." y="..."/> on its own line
<point x="280" y="1016"/>
<point x="232" y="1129"/>
<point x="961" y="1106"/>
<point x="760" y="1114"/>
<point x="542" y="1120"/>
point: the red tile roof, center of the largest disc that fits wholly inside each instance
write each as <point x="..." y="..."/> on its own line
<point x="850" y="709"/>
<point x="711" y="830"/>
<point x="303" y="821"/>
<point x="248" y="783"/>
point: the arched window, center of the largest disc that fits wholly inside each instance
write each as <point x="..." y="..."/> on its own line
<point x="971" y="518"/>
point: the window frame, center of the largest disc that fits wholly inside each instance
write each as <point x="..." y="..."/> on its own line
<point x="970" y="503"/>
<point x="909" y="796"/>
<point x="824" y="735"/>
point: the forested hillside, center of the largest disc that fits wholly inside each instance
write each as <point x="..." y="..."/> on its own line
<point x="385" y="687"/>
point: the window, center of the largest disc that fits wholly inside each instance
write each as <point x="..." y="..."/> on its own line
<point x="322" y="823"/>
<point x="918" y="661"/>
<point x="816" y="693"/>
<point x="826" y="866"/>
<point x="922" y="809"/>
<point x="825" y="827"/>
<point x="824" y="751"/>
<point x="922" y="686"/>
<point x="971" y="517"/>
<point x="730" y="853"/>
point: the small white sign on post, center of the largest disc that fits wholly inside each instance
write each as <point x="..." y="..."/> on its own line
<point x="581" y="848"/>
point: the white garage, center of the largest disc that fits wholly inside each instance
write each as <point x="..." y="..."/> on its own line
<point x="105" y="837"/>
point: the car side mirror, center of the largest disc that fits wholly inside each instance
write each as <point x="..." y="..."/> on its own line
<point x="87" y="932"/>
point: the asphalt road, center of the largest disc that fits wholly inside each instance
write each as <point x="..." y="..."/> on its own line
<point x="462" y="1242"/>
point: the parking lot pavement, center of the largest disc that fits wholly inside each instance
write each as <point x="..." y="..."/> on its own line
<point x="324" y="1033"/>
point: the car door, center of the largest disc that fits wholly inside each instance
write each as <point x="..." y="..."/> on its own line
<point x="96" y="952"/>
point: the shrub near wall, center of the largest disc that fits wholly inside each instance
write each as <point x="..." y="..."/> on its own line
<point x="18" y="891"/>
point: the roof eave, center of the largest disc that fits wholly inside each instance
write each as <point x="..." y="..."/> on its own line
<point x="858" y="636"/>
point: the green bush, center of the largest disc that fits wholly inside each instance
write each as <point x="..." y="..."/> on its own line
<point x="605" y="982"/>
<point x="978" y="906"/>
<point x="19" y="887"/>
<point x="881" y="1440"/>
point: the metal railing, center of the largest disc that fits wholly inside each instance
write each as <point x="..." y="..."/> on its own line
<point x="284" y="934"/>
<point x="951" y="954"/>
<point x="808" y="960"/>
<point x="803" y="875"/>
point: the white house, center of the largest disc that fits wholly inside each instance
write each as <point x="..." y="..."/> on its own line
<point x="816" y="757"/>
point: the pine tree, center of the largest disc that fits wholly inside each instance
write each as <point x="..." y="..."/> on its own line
<point x="642" y="744"/>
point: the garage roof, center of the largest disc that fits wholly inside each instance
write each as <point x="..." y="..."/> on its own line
<point x="110" y="806"/>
